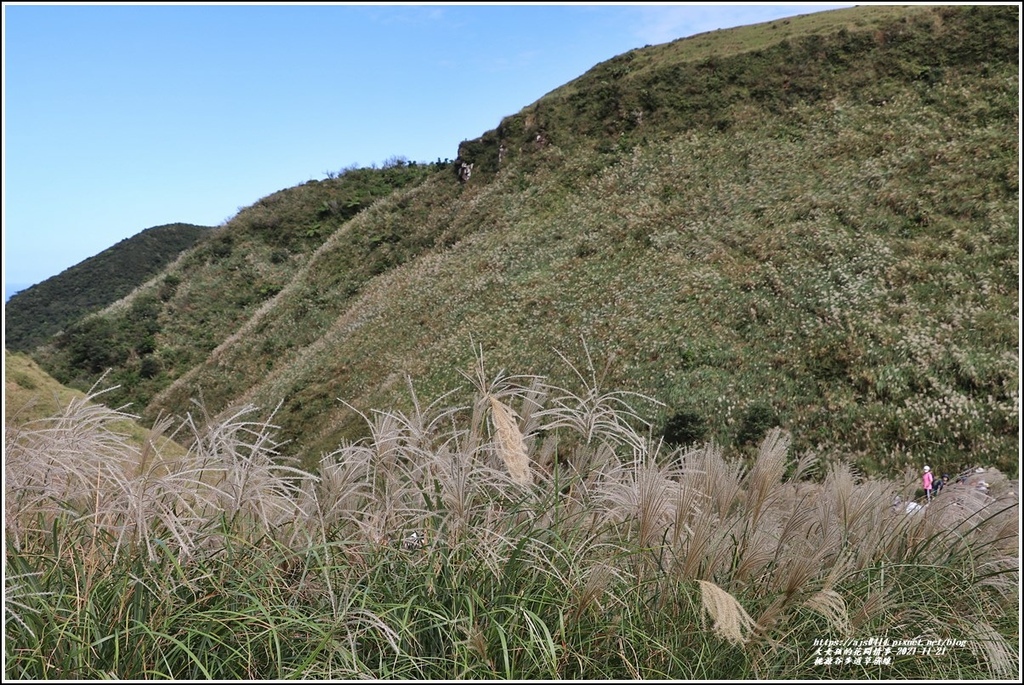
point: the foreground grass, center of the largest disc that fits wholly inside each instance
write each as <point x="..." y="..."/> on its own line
<point x="535" y="533"/>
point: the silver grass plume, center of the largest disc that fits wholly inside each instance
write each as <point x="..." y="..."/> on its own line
<point x="730" y="620"/>
<point x="511" y="446"/>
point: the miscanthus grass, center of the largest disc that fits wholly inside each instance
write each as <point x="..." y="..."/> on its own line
<point x="535" y="532"/>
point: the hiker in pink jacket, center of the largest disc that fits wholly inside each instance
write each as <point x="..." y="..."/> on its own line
<point x="926" y="480"/>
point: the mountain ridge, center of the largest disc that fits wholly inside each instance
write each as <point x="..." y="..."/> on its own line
<point x="41" y="310"/>
<point x="767" y="235"/>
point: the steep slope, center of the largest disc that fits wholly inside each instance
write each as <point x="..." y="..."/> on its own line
<point x="36" y="402"/>
<point x="162" y="329"/>
<point x="811" y="224"/>
<point x="36" y="313"/>
<point x="29" y="392"/>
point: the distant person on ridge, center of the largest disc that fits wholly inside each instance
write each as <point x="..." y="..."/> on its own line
<point x="926" y="480"/>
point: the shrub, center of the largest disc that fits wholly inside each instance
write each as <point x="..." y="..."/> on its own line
<point x="755" y="421"/>
<point x="685" y="427"/>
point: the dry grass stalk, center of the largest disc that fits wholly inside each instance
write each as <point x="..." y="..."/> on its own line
<point x="701" y="550"/>
<point x="718" y="479"/>
<point x="876" y="605"/>
<point x="730" y="620"/>
<point x="767" y="471"/>
<point x="598" y="578"/>
<point x="987" y="642"/>
<point x="832" y="606"/>
<point x="511" y="446"/>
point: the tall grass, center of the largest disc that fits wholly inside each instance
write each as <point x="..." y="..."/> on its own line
<point x="555" y="540"/>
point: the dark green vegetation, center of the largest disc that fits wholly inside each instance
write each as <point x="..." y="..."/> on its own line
<point x="37" y="313"/>
<point x="811" y="223"/>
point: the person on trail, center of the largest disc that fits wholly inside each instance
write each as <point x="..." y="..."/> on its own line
<point x="926" y="481"/>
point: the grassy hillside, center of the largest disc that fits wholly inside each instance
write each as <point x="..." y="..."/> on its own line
<point x="35" y="314"/>
<point x="173" y="322"/>
<point x="810" y="223"/>
<point x="35" y="402"/>
<point x="29" y="392"/>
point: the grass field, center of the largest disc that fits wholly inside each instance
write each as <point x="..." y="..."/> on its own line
<point x="534" y="533"/>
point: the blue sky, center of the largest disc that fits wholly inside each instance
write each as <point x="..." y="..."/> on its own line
<point x="118" y="118"/>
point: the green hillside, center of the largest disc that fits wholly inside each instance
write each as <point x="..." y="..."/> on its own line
<point x="810" y="223"/>
<point x="36" y="313"/>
